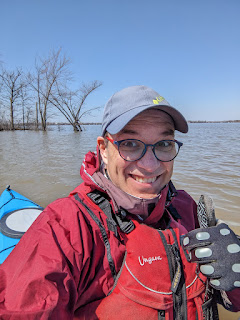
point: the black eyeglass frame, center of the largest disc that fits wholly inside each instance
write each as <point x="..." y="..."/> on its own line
<point x="146" y="145"/>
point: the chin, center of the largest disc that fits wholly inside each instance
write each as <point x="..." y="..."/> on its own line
<point x="143" y="195"/>
<point x="147" y="197"/>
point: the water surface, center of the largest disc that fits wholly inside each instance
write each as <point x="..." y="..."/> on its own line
<point x="45" y="165"/>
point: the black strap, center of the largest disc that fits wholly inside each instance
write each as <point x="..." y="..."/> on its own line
<point x="174" y="213"/>
<point x="177" y="277"/>
<point x="113" y="220"/>
<point x="104" y="236"/>
<point x="171" y="266"/>
<point x="98" y="198"/>
<point x="182" y="283"/>
<point x="172" y="192"/>
<point x="210" y="310"/>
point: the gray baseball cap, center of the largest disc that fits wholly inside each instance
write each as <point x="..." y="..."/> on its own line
<point x="124" y="105"/>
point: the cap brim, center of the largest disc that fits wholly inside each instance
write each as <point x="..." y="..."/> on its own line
<point x="119" y="123"/>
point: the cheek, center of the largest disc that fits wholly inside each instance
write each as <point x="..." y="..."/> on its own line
<point x="115" y="164"/>
<point x="119" y="167"/>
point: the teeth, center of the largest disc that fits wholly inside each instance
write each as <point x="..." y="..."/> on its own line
<point x="145" y="180"/>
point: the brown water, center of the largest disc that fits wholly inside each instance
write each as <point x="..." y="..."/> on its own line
<point x="45" y="165"/>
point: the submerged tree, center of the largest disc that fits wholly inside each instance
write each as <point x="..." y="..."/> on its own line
<point x="50" y="73"/>
<point x="25" y="103"/>
<point x="71" y="103"/>
<point x="50" y="86"/>
<point x="11" y="84"/>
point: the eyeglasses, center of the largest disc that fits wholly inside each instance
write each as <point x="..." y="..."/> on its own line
<point x="133" y="149"/>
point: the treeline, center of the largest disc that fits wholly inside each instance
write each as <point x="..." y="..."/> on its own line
<point x="208" y="121"/>
<point x="29" y="99"/>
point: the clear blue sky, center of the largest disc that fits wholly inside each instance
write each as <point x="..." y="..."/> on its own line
<point x="188" y="51"/>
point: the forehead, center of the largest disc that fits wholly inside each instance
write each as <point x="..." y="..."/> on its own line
<point x="150" y="119"/>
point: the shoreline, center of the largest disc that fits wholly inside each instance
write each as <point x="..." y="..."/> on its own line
<point x="32" y="127"/>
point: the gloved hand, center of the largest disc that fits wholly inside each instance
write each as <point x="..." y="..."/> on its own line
<point x="217" y="250"/>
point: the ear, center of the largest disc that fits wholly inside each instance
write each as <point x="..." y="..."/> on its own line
<point x="103" y="149"/>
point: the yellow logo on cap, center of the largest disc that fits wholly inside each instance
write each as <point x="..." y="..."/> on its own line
<point x="158" y="100"/>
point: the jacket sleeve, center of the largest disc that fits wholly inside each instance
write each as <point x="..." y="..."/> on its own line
<point x="40" y="278"/>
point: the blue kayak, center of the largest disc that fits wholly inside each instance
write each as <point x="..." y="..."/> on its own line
<point x="17" y="213"/>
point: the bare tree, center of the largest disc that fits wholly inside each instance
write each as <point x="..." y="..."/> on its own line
<point x="25" y="102"/>
<point x="12" y="82"/>
<point x="71" y="103"/>
<point x="50" y="73"/>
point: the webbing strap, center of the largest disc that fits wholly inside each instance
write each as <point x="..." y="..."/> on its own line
<point x="105" y="206"/>
<point x="119" y="219"/>
<point x="209" y="307"/>
<point x="171" y="266"/>
<point x="174" y="213"/>
<point x="176" y="272"/>
<point x="182" y="283"/>
<point x="104" y="236"/>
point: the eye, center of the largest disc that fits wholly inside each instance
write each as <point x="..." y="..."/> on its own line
<point x="165" y="145"/>
<point x="130" y="144"/>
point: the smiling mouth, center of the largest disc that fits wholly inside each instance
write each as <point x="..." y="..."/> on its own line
<point x="144" y="180"/>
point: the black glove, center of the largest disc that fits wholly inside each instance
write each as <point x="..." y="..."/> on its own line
<point x="217" y="250"/>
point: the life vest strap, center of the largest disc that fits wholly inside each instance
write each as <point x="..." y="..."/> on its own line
<point x="113" y="220"/>
<point x="104" y="236"/>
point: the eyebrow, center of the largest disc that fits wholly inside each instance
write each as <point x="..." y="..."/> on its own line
<point x="128" y="131"/>
<point x="169" y="132"/>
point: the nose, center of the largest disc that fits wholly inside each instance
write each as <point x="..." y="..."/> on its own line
<point x="149" y="162"/>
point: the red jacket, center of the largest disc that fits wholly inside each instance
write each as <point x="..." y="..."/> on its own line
<point x="60" y="267"/>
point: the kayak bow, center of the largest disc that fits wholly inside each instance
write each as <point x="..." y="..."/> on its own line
<point x="17" y="213"/>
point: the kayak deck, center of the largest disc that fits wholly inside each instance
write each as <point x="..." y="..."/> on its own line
<point x="17" y="213"/>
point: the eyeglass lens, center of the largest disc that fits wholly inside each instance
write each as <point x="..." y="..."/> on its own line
<point x="132" y="150"/>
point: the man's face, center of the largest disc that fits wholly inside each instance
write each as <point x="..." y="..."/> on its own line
<point x="146" y="177"/>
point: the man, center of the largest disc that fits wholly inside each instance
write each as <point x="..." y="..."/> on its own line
<point x="115" y="248"/>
